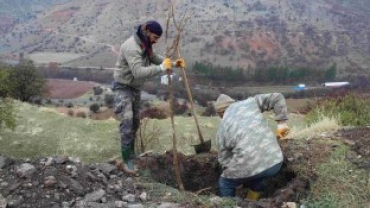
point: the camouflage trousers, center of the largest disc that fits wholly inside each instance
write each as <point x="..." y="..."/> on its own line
<point x="127" y="109"/>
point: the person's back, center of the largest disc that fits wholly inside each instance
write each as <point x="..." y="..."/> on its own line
<point x="248" y="149"/>
<point x="254" y="145"/>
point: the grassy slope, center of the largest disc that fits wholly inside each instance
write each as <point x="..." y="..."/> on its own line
<point x="43" y="132"/>
<point x="340" y="183"/>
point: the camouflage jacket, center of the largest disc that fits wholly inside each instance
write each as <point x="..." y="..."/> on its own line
<point x="247" y="145"/>
<point x="132" y="67"/>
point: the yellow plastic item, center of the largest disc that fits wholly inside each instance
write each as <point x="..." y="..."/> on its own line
<point x="253" y="195"/>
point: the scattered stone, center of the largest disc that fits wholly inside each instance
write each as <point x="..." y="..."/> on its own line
<point x="135" y="206"/>
<point x="95" y="196"/>
<point x="25" y="170"/>
<point x="3" y="202"/>
<point x="60" y="160"/>
<point x="15" y="202"/>
<point x="4" y="161"/>
<point x="169" y="205"/>
<point x="143" y="197"/>
<point x="74" y="185"/>
<point x="107" y="168"/>
<point x="49" y="181"/>
<point x="129" y="198"/>
<point x="289" y="205"/>
<point x="120" y="204"/>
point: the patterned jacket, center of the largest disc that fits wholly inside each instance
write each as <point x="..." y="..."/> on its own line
<point x="247" y="145"/>
<point x="132" y="67"/>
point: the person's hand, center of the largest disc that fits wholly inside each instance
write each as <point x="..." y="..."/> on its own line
<point x="180" y="63"/>
<point x="282" y="130"/>
<point x="166" y="64"/>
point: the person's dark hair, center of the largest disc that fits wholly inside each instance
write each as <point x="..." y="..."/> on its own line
<point x="154" y="27"/>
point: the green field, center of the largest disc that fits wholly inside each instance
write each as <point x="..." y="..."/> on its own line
<point x="42" y="131"/>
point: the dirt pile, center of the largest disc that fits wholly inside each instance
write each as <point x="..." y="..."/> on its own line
<point x="62" y="182"/>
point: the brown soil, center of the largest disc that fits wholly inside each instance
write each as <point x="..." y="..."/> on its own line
<point x="67" y="89"/>
<point x="200" y="173"/>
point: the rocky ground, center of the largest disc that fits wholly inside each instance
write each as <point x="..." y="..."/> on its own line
<point x="64" y="182"/>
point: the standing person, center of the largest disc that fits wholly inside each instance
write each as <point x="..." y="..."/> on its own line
<point x="248" y="149"/>
<point x="136" y="62"/>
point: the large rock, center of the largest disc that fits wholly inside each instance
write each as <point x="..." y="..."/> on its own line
<point x="107" y="168"/>
<point x="74" y="185"/>
<point x="25" y="170"/>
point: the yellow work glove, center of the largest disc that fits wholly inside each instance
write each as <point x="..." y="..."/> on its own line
<point x="282" y="131"/>
<point x="166" y="64"/>
<point x="180" y="63"/>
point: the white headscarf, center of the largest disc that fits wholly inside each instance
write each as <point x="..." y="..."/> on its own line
<point x="223" y="101"/>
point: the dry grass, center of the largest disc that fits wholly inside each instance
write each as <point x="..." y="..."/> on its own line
<point x="325" y="125"/>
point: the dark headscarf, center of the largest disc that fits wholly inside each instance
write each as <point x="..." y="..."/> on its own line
<point x="155" y="28"/>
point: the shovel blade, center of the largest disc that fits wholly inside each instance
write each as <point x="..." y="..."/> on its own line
<point x="203" y="147"/>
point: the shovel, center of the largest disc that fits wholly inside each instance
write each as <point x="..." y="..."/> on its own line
<point x="204" y="146"/>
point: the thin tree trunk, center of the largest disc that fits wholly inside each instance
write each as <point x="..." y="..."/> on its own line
<point x="174" y="140"/>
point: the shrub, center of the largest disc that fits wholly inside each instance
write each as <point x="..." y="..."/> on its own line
<point x="94" y="107"/>
<point x="69" y="105"/>
<point x="351" y="109"/>
<point x="70" y="112"/>
<point x="109" y="100"/>
<point x="210" y="110"/>
<point x="81" y="115"/>
<point x="154" y="112"/>
<point x="179" y="108"/>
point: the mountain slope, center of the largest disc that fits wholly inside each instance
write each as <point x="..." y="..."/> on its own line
<point x="247" y="34"/>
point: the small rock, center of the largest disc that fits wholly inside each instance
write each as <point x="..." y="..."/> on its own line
<point x="168" y="205"/>
<point x="4" y="161"/>
<point x="4" y="184"/>
<point x="143" y="197"/>
<point x="129" y="198"/>
<point x="60" y="160"/>
<point x="3" y="202"/>
<point x="289" y="205"/>
<point x="215" y="200"/>
<point x="135" y="206"/>
<point x="107" y="168"/>
<point x="25" y="170"/>
<point x="120" y="204"/>
<point x="75" y="160"/>
<point x="15" y="202"/>
<point x="66" y="204"/>
<point x="49" y="181"/>
<point x="95" y="196"/>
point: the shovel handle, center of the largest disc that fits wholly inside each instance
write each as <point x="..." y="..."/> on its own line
<point x="192" y="104"/>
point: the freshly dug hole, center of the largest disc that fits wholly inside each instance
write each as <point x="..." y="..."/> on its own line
<point x="200" y="175"/>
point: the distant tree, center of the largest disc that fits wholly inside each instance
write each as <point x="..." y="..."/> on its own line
<point x="24" y="82"/>
<point x="331" y="73"/>
<point x="109" y="100"/>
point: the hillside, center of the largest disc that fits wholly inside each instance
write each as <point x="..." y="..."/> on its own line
<point x="13" y="12"/>
<point x="247" y="34"/>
